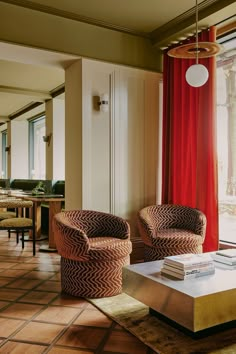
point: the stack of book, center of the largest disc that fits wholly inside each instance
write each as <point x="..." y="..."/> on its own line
<point x="186" y="266"/>
<point x="227" y="256"/>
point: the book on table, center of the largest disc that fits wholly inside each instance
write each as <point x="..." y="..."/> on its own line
<point x="229" y="252"/>
<point x="191" y="274"/>
<point x="189" y="260"/>
<point x="195" y="270"/>
<point x="224" y="259"/>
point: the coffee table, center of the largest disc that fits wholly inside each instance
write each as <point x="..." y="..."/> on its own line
<point x="194" y="305"/>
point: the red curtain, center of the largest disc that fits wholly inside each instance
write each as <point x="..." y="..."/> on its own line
<point x="189" y="163"/>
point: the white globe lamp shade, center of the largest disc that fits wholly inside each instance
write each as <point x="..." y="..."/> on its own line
<point x="197" y="75"/>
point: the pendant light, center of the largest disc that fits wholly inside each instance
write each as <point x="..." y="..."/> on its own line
<point x="197" y="74"/>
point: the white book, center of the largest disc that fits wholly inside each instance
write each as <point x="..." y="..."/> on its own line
<point x="225" y="266"/>
<point x="193" y="270"/>
<point x="188" y="260"/>
<point x="229" y="252"/>
<point x="223" y="259"/>
<point x="187" y="276"/>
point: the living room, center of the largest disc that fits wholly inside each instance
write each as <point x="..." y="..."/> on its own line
<point x="112" y="159"/>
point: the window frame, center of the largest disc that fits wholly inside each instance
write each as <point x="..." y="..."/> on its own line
<point x="4" y="154"/>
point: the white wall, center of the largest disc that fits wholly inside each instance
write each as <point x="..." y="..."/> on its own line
<point x="115" y="159"/>
<point x="58" y="139"/>
<point x="18" y="139"/>
<point x="97" y="137"/>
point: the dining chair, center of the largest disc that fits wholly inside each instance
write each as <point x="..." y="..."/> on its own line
<point x="18" y="223"/>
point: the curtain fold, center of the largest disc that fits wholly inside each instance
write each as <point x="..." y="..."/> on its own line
<point x="189" y="165"/>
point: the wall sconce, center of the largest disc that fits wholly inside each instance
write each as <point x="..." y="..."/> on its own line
<point x="47" y="138"/>
<point x="103" y="102"/>
<point x="8" y="148"/>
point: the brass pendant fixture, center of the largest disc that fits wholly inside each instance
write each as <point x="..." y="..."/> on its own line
<point x="191" y="50"/>
<point x="197" y="74"/>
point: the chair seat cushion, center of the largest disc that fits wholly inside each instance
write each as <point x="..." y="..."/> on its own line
<point x="102" y="249"/>
<point x="108" y="248"/>
<point x="16" y="222"/>
<point x="7" y="215"/>
<point x="176" y="237"/>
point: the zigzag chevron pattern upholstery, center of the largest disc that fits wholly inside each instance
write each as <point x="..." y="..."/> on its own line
<point x="94" y="246"/>
<point x="170" y="229"/>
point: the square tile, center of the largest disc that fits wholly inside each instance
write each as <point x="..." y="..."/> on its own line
<point x="38" y="297"/>
<point x="71" y="301"/>
<point x="82" y="337"/>
<point x="21" y="311"/>
<point x="27" y="266"/>
<point x="57" y="314"/>
<point x="10" y="294"/>
<point x="13" y="273"/>
<point x="50" y="286"/>
<point x="124" y="342"/>
<point x="9" y="326"/>
<point x="58" y="350"/>
<point x="48" y="267"/>
<point x="6" y="265"/>
<point x="4" y="304"/>
<point x="56" y="277"/>
<point x="39" y="332"/>
<point x="21" y="348"/>
<point x="93" y="318"/>
<point x="38" y="275"/>
<point x="24" y="283"/>
<point x="4" y="281"/>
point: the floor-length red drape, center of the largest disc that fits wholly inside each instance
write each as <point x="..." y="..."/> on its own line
<point x="189" y="174"/>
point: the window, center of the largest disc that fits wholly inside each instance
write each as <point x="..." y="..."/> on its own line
<point x="4" y="154"/>
<point x="37" y="151"/>
<point x="226" y="138"/>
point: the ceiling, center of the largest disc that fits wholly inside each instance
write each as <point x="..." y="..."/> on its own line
<point x="31" y="75"/>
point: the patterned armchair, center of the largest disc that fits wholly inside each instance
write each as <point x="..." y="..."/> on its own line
<point x="94" y="246"/>
<point x="171" y="229"/>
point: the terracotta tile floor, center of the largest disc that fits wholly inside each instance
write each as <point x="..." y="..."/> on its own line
<point x="35" y="317"/>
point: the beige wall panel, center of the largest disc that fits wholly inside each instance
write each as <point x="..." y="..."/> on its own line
<point x="73" y="136"/>
<point x="139" y="132"/>
<point x="55" y="149"/>
<point x="120" y="147"/>
<point x="96" y="137"/>
<point x="132" y="138"/>
<point x="49" y="147"/>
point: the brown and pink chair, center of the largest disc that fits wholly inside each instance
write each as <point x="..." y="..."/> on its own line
<point x="94" y="246"/>
<point x="170" y="229"/>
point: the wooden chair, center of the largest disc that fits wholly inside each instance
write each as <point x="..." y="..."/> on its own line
<point x="18" y="223"/>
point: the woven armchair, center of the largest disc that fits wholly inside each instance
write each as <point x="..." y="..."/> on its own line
<point x="94" y="246"/>
<point x="171" y="229"/>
